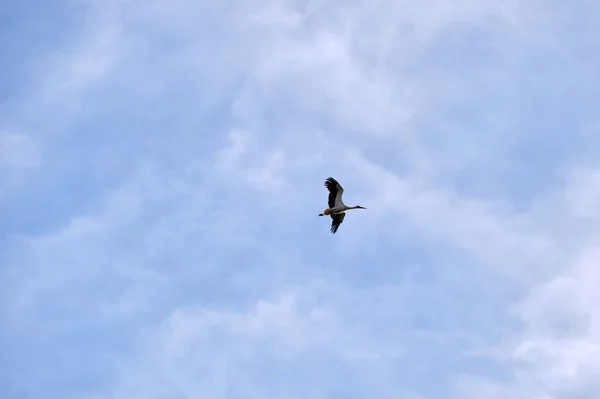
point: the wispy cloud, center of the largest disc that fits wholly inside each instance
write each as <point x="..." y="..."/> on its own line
<point x="18" y="150"/>
<point x="165" y="163"/>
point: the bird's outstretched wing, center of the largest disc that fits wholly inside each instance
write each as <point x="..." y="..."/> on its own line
<point x="336" y="220"/>
<point x="335" y="191"/>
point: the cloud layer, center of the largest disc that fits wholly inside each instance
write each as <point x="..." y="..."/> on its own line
<point x="161" y="171"/>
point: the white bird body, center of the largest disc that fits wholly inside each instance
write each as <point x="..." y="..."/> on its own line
<point x="337" y="209"/>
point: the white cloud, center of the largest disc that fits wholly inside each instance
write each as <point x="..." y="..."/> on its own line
<point x="560" y="345"/>
<point x="361" y="91"/>
<point x="72" y="256"/>
<point x="18" y="150"/>
<point x="555" y="353"/>
<point x="254" y="351"/>
<point x="56" y="91"/>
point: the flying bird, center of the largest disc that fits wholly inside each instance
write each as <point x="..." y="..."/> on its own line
<point x="337" y="207"/>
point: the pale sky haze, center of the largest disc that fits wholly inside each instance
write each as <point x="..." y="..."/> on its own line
<point x="161" y="172"/>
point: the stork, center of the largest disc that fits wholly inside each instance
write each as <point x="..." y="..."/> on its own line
<point x="337" y="207"/>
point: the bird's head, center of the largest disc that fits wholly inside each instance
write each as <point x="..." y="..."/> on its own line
<point x="359" y="207"/>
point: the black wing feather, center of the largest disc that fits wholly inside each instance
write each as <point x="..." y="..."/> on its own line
<point x="332" y="186"/>
<point x="336" y="220"/>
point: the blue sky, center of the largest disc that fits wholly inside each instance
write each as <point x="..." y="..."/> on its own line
<point x="161" y="172"/>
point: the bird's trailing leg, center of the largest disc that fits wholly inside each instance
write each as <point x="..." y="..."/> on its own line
<point x="325" y="212"/>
